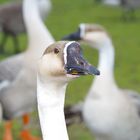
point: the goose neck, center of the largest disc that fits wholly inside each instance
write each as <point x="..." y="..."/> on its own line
<point x="38" y="35"/>
<point x="106" y="79"/>
<point x="106" y="57"/>
<point x="51" y="96"/>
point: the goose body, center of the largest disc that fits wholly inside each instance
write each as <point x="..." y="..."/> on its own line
<point x="18" y="73"/>
<point x="13" y="68"/>
<point x="53" y="77"/>
<point x="114" y="112"/>
<point x="12" y="22"/>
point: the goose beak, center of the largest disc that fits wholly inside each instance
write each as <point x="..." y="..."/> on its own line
<point x="73" y="36"/>
<point x="81" y="67"/>
<point x="76" y="64"/>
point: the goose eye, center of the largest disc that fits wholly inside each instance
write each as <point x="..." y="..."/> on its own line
<point x="56" y="51"/>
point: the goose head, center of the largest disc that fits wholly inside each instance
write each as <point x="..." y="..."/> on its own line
<point x="91" y="34"/>
<point x="63" y="60"/>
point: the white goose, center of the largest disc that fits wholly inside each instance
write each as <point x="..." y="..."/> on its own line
<point x="18" y="73"/>
<point x="53" y="77"/>
<point x="114" y="113"/>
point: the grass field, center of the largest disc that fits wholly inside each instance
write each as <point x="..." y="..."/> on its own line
<point x="63" y="19"/>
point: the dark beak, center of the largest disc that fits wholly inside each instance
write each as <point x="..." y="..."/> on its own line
<point x="83" y="69"/>
<point x="76" y="64"/>
<point x="73" y="36"/>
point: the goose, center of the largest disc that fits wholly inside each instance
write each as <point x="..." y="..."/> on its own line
<point x="53" y="76"/>
<point x="114" y="112"/>
<point x="112" y="2"/>
<point x="18" y="73"/>
<point x="12" y="23"/>
<point x="0" y="112"/>
<point x="129" y="7"/>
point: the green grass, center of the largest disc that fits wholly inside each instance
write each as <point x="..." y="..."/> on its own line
<point x="63" y="19"/>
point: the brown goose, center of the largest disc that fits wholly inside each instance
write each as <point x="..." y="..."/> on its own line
<point x="53" y="77"/>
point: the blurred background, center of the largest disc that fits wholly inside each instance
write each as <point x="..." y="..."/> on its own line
<point x="122" y="24"/>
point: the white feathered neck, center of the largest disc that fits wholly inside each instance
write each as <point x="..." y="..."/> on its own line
<point x="106" y="66"/>
<point x="38" y="35"/>
<point x="51" y="96"/>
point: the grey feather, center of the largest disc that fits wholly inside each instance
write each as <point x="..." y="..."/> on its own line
<point x="10" y="68"/>
<point x="134" y="97"/>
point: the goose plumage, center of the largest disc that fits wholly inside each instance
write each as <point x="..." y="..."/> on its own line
<point x="53" y="77"/>
<point x="18" y="73"/>
<point x="114" y="112"/>
<point x="12" y="22"/>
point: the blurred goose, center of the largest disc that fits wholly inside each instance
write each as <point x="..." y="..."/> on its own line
<point x="0" y="112"/>
<point x="114" y="112"/>
<point x="12" y="23"/>
<point x="129" y="7"/>
<point x="112" y="2"/>
<point x="18" y="73"/>
<point x="53" y="77"/>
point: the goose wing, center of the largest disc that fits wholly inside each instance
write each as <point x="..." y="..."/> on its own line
<point x="135" y="98"/>
<point x="9" y="69"/>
